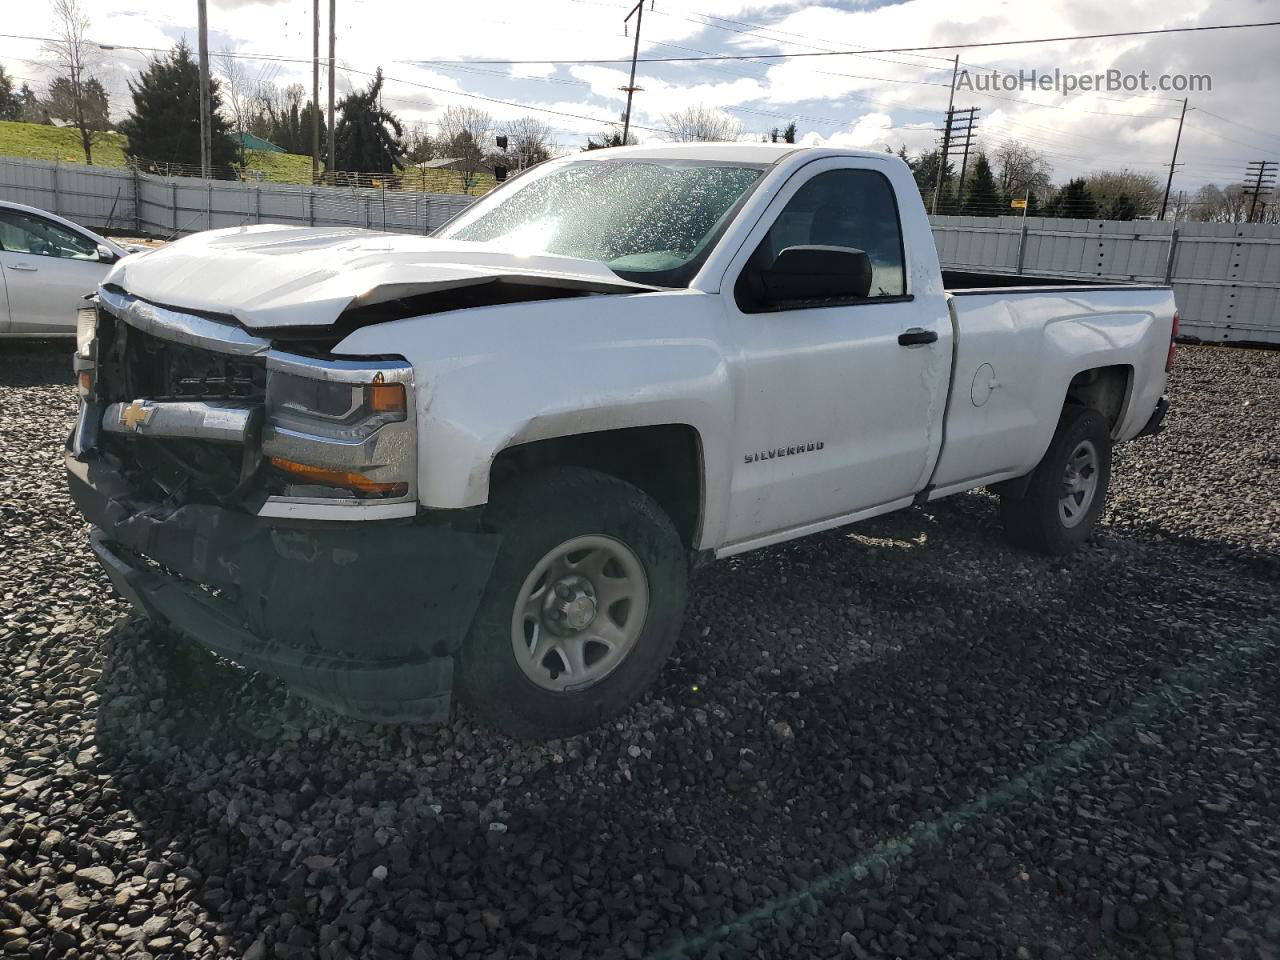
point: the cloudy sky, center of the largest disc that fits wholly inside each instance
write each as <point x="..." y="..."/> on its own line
<point x="430" y="53"/>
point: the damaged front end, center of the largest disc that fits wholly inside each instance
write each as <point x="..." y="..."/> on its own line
<point x="264" y="503"/>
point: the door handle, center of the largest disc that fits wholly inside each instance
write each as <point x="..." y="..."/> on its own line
<point x="916" y="336"/>
<point x="23" y="266"/>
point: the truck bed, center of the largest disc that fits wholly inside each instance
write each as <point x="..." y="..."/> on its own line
<point x="960" y="282"/>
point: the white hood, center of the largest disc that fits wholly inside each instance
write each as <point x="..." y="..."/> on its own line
<point x="277" y="276"/>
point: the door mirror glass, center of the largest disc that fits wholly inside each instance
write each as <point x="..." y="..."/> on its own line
<point x="105" y="254"/>
<point x="814" y="273"/>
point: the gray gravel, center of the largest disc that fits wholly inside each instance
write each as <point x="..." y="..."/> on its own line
<point x="899" y="740"/>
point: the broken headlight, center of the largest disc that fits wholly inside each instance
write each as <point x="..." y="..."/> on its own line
<point x="340" y="429"/>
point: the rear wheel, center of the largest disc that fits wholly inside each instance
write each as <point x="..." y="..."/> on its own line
<point x="1061" y="505"/>
<point x="582" y="608"/>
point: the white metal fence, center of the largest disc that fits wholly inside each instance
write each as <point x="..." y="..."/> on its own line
<point x="1226" y="275"/>
<point x="111" y="198"/>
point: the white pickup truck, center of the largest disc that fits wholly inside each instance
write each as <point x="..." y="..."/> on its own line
<point x="381" y="466"/>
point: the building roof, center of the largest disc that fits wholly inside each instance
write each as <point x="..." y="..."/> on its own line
<point x="257" y="143"/>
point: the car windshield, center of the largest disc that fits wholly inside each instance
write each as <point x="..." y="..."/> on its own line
<point x="650" y="220"/>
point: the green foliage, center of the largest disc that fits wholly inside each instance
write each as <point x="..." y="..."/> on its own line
<point x="164" y="124"/>
<point x="1121" y="208"/>
<point x="611" y="137"/>
<point x="789" y="134"/>
<point x="367" y="137"/>
<point x="10" y="105"/>
<point x="1073" y="201"/>
<point x="981" y="198"/>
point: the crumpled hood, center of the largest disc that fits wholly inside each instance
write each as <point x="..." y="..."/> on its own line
<point x="271" y="276"/>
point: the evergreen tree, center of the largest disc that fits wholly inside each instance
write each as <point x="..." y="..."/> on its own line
<point x="10" y="105"/>
<point x="302" y="137"/>
<point x="367" y="137"/>
<point x="60" y="103"/>
<point x="164" y="125"/>
<point x="1121" y="208"/>
<point x="789" y="134"/>
<point x="1073" y="201"/>
<point x="29" y="110"/>
<point x="981" y="199"/>
<point x="925" y="170"/>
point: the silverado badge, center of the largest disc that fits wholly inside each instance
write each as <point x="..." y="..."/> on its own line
<point x="783" y="452"/>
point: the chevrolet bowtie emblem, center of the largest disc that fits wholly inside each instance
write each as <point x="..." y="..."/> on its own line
<point x="135" y="416"/>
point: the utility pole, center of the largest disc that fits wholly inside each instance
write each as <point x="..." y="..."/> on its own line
<point x="946" y="138"/>
<point x="971" y="124"/>
<point x="315" y="90"/>
<point x="1260" y="178"/>
<point x="333" y="4"/>
<point x="206" y="148"/>
<point x="1173" y="162"/>
<point x="638" y="12"/>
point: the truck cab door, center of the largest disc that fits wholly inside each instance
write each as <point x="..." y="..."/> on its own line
<point x="839" y="399"/>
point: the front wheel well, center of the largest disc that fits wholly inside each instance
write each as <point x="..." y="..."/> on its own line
<point x="663" y="460"/>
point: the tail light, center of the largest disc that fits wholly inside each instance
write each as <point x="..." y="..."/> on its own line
<point x="1173" y="342"/>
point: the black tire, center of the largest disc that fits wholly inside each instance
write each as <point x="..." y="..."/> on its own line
<point x="1034" y="519"/>
<point x="535" y="514"/>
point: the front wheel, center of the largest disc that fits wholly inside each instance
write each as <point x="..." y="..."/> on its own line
<point x="1063" y="501"/>
<point x="582" y="608"/>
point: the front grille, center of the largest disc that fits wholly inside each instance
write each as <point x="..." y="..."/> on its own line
<point x="134" y="364"/>
<point x="158" y="369"/>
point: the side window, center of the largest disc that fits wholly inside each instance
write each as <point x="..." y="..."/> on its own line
<point x="851" y="210"/>
<point x="23" y="233"/>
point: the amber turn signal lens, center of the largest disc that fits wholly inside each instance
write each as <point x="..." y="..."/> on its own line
<point x="346" y="479"/>
<point x="386" y="397"/>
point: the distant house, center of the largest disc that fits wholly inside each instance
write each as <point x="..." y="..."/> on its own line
<point x="250" y="142"/>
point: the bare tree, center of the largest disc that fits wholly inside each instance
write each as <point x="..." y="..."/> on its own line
<point x="73" y="56"/>
<point x="1143" y="189"/>
<point x="419" y="144"/>
<point x="239" y="95"/>
<point x="1214" y="204"/>
<point x="700" y="123"/>
<point x="465" y="134"/>
<point x="529" y="141"/>
<point x="1020" y="168"/>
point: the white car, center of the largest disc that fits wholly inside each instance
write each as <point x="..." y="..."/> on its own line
<point x="385" y="467"/>
<point x="47" y="266"/>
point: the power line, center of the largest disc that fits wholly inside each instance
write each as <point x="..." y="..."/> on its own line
<point x="1235" y="123"/>
<point x="939" y="46"/>
<point x="365" y="73"/>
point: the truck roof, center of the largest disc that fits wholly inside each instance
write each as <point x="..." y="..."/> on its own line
<point x="742" y="152"/>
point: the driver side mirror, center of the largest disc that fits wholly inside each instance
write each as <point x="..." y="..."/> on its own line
<point x="812" y="272"/>
<point x="105" y="254"/>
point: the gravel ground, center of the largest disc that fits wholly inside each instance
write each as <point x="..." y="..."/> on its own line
<point x="904" y="740"/>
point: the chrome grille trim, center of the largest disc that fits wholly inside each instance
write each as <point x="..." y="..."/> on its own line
<point x="186" y="328"/>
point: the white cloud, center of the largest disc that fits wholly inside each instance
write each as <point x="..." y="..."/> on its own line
<point x="865" y="101"/>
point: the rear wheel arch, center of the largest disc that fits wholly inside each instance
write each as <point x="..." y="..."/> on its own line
<point x="1106" y="389"/>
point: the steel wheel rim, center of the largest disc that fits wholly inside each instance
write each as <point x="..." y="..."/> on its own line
<point x="579" y="613"/>
<point x="1079" y="484"/>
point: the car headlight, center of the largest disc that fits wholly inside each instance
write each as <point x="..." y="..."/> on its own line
<point x="340" y="429"/>
<point x="86" y="359"/>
